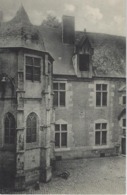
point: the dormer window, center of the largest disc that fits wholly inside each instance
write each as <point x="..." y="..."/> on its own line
<point x="84" y="62"/>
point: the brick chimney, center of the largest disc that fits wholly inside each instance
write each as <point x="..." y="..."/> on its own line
<point x="68" y="29"/>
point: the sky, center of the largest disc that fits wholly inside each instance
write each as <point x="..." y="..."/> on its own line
<point x="103" y="16"/>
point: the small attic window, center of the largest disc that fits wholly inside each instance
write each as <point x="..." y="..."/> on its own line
<point x="84" y="62"/>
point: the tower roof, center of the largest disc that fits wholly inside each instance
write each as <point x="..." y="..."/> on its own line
<point x="21" y="17"/>
<point x="19" y="32"/>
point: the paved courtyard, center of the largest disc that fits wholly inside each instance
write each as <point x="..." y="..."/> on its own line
<point x="88" y="176"/>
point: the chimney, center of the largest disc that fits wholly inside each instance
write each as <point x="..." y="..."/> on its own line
<point x="1" y="16"/>
<point x="68" y="29"/>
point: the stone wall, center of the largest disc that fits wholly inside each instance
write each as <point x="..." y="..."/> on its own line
<point x="81" y="114"/>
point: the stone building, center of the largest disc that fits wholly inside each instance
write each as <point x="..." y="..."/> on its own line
<point x="62" y="95"/>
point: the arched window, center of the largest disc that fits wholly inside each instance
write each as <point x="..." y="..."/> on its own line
<point x="9" y="126"/>
<point x="31" y="128"/>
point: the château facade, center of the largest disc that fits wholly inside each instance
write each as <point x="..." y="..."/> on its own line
<point x="62" y="96"/>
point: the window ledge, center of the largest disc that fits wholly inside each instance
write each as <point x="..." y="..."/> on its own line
<point x="62" y="149"/>
<point x="101" y="147"/>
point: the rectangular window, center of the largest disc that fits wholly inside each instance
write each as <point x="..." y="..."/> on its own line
<point x="61" y="135"/>
<point x="124" y="100"/>
<point x="124" y="126"/>
<point x="33" y="68"/>
<point x="101" y="95"/>
<point x="100" y="133"/>
<point x="84" y="62"/>
<point x="59" y="94"/>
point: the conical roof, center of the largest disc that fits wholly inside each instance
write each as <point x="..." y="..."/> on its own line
<point x="19" y="32"/>
<point x="21" y="17"/>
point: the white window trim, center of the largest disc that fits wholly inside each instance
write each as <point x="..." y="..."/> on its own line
<point x="101" y="82"/>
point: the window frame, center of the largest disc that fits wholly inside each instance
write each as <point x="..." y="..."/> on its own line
<point x="124" y="127"/>
<point x="60" y="132"/>
<point x="36" y="130"/>
<point x="33" y="67"/>
<point x="58" y="91"/>
<point x="14" y="127"/>
<point x="101" y="130"/>
<point x="101" y="91"/>
<point x="84" y="67"/>
<point x="124" y="100"/>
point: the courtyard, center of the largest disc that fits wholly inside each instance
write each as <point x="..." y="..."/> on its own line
<point x="87" y="176"/>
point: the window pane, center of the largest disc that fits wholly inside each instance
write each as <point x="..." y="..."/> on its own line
<point x="83" y="62"/>
<point x="104" y="98"/>
<point x="97" y="137"/>
<point x="6" y="131"/>
<point x="29" y="60"/>
<point x="104" y="125"/>
<point x="124" y="99"/>
<point x="62" y="98"/>
<point x="37" y="61"/>
<point x="98" y="99"/>
<point x="124" y="122"/>
<point x="55" y="86"/>
<point x="9" y="128"/>
<point x="62" y="86"/>
<point x="31" y="128"/>
<point x="6" y="139"/>
<point x="12" y="139"/>
<point x="57" y="139"/>
<point x="55" y="98"/>
<point x="37" y="71"/>
<point x="28" y="131"/>
<point x="64" y="127"/>
<point x="104" y="87"/>
<point x="33" y="138"/>
<point x="28" y="139"/>
<point x="12" y="132"/>
<point x="97" y="126"/>
<point x="29" y="72"/>
<point x="104" y="137"/>
<point x="57" y="127"/>
<point x="64" y="139"/>
<point x="98" y="87"/>
<point x="36" y="74"/>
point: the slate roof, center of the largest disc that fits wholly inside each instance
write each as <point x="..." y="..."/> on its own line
<point x="19" y="32"/>
<point x="109" y="55"/>
<point x="109" y="52"/>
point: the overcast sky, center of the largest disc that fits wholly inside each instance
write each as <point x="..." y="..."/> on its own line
<point x="104" y="16"/>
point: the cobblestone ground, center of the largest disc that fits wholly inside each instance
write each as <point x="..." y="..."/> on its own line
<point x="87" y="176"/>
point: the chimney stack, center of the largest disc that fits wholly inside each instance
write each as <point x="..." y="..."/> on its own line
<point x="68" y="29"/>
<point x="1" y="16"/>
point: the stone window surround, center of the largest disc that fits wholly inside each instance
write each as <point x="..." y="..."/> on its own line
<point x="124" y="95"/>
<point x="101" y="146"/>
<point x="8" y="144"/>
<point x="94" y="97"/>
<point x="123" y="127"/>
<point x="41" y="69"/>
<point x="62" y="81"/>
<point x="60" y="122"/>
<point x="33" y="144"/>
